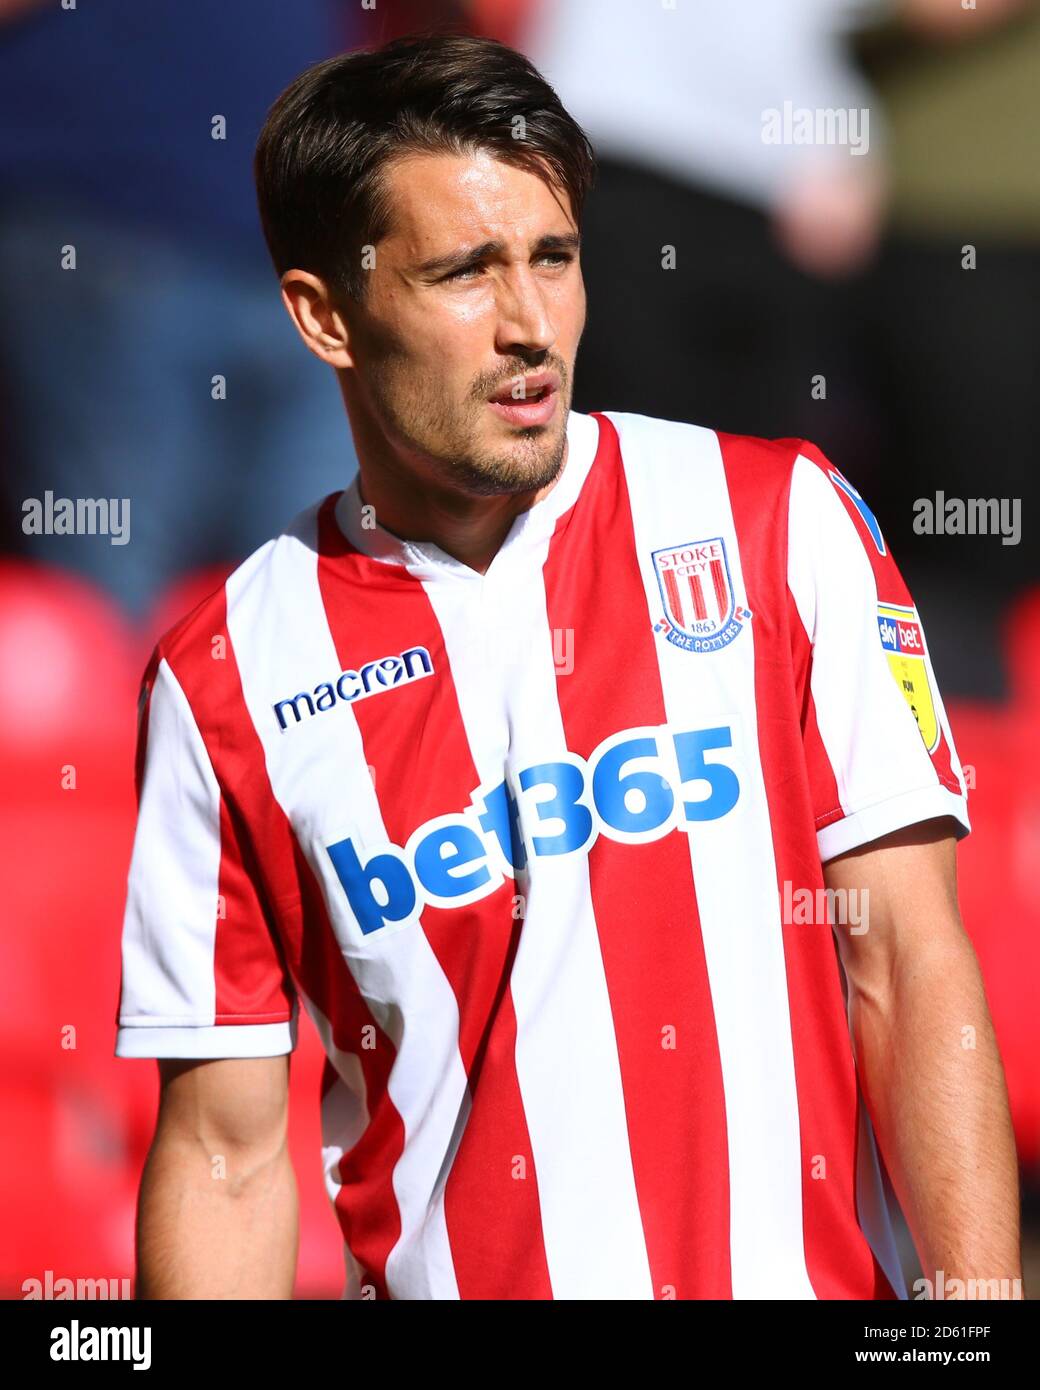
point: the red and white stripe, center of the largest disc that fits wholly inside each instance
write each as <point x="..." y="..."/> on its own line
<point x="615" y="1075"/>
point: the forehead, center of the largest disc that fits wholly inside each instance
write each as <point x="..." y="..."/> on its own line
<point x="441" y="199"/>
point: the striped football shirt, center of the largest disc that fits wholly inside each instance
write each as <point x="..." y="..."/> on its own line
<point x="540" y="853"/>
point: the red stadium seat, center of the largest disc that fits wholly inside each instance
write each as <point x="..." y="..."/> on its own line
<point x="68" y="666"/>
<point x="68" y="682"/>
<point x="997" y="865"/>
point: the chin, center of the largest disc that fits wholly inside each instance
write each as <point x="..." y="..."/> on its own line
<point x="504" y="470"/>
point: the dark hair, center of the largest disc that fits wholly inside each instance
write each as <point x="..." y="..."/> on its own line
<point x="329" y="138"/>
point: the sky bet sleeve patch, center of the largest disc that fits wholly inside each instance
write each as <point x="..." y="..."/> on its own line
<point x="903" y="640"/>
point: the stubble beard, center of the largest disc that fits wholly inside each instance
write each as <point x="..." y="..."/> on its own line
<point x="533" y="463"/>
<point x="533" y="460"/>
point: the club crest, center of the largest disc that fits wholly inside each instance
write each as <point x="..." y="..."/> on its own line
<point x="700" y="610"/>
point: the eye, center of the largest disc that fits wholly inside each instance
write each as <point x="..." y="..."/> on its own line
<point x="464" y="272"/>
<point x="558" y="259"/>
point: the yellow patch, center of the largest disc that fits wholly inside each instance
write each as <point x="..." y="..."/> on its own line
<point x="903" y="640"/>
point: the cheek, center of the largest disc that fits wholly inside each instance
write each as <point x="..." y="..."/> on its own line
<point x="452" y="347"/>
<point x="469" y="315"/>
<point x="565" y="304"/>
<point x="450" y="327"/>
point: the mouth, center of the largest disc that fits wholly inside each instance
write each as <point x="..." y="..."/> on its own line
<point x="527" y="401"/>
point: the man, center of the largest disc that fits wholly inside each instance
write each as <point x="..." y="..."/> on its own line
<point x="524" y="763"/>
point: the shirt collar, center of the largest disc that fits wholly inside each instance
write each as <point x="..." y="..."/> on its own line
<point x="530" y="528"/>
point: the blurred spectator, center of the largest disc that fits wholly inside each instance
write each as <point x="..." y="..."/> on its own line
<point x="693" y="111"/>
<point x="107" y="120"/>
<point x="790" y="308"/>
<point x="952" y="305"/>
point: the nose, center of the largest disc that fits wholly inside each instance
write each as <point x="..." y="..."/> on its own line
<point x="525" y="324"/>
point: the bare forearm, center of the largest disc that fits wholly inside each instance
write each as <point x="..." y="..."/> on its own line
<point x="934" y="1085"/>
<point x="216" y="1226"/>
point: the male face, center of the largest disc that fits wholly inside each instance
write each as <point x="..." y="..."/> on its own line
<point x="476" y="293"/>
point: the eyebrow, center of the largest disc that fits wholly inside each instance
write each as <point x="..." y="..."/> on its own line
<point x="460" y="260"/>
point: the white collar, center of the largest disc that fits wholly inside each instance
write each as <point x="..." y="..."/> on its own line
<point x="530" y="528"/>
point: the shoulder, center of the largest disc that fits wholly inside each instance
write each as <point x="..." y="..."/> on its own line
<point x="760" y="468"/>
<point x="201" y="644"/>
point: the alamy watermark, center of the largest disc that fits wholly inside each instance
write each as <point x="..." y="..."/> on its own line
<point x="81" y="1342"/>
<point x="942" y="1289"/>
<point x="820" y="907"/>
<point x="60" y="1287"/>
<point x="77" y="516"/>
<point x="972" y="516"/>
<point x="820" y="125"/>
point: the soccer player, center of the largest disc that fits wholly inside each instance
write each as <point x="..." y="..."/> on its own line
<point x="583" y="777"/>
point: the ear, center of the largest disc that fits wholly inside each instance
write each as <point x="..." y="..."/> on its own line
<point x="317" y="316"/>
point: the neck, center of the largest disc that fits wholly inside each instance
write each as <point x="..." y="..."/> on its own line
<point x="469" y="528"/>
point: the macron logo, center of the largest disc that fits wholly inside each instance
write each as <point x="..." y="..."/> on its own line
<point x="374" y="678"/>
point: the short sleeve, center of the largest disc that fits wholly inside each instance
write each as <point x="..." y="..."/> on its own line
<point x="878" y="747"/>
<point x="202" y="971"/>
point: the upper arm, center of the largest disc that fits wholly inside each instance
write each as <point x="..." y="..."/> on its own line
<point x="896" y="904"/>
<point x="226" y="1104"/>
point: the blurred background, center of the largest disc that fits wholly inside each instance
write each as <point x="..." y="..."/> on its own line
<point x="876" y="294"/>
